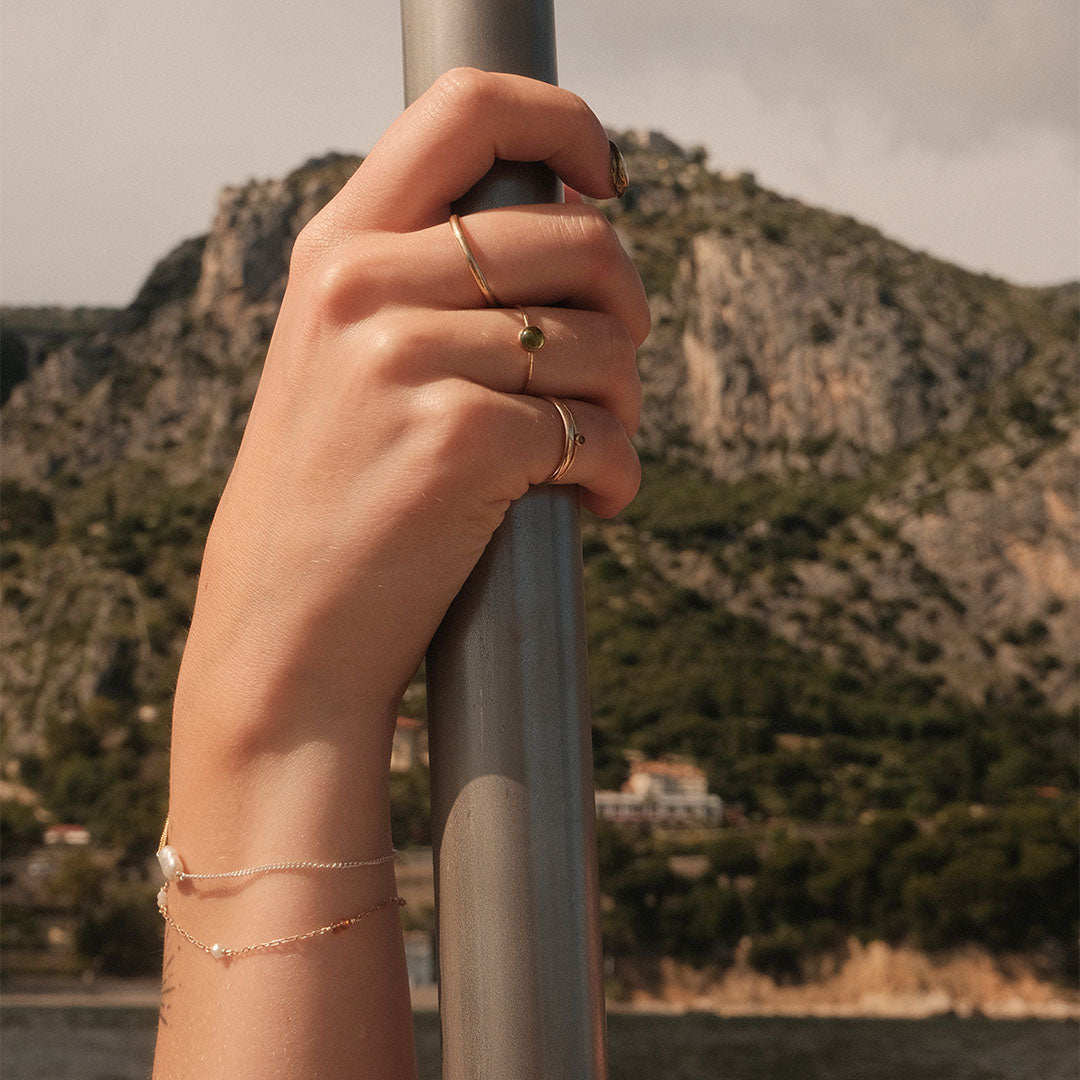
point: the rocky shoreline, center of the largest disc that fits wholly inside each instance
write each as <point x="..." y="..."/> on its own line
<point x="872" y="981"/>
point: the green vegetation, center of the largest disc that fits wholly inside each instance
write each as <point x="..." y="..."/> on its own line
<point x="56" y="322"/>
<point x="410" y="807"/>
<point x="776" y="520"/>
<point x="106" y="770"/>
<point x="911" y="815"/>
<point x="25" y="515"/>
<point x="873" y="772"/>
<point x="1004" y="879"/>
<point x="20" y="831"/>
<point x="725" y="692"/>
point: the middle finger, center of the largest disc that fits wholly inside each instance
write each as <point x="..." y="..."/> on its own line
<point x="586" y="355"/>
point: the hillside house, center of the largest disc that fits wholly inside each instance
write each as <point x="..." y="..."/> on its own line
<point x="662" y="792"/>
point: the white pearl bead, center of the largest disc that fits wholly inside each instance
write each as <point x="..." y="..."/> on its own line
<point x="217" y="951"/>
<point x="171" y="865"/>
<point x="161" y="897"/>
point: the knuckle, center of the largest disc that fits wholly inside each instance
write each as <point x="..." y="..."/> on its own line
<point x="621" y="480"/>
<point x="309" y="245"/>
<point x="464" y="91"/>
<point x="630" y="413"/>
<point x="341" y="286"/>
<point x="631" y="481"/>
<point x="578" y="105"/>
<point x="392" y="344"/>
<point x="595" y="238"/>
<point x="644" y="329"/>
<point x="621" y="348"/>
<point x="468" y="437"/>
<point x="458" y="411"/>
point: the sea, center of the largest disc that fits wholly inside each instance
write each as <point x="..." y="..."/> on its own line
<point x="92" y="1043"/>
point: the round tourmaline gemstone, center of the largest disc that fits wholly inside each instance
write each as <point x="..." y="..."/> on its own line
<point x="531" y="338"/>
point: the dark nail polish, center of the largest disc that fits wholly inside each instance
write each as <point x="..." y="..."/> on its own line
<point x="619" y="180"/>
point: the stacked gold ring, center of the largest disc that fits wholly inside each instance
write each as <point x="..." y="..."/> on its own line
<point x="531" y="339"/>
<point x="574" y="439"/>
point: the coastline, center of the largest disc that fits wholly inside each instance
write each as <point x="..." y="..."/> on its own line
<point x="733" y="997"/>
<point x="871" y="980"/>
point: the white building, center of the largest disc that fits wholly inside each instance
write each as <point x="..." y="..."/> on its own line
<point x="662" y="792"/>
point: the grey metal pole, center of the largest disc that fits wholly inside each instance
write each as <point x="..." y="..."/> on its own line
<point x="520" y="979"/>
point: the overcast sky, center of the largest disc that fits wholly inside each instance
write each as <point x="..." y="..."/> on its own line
<point x="950" y="124"/>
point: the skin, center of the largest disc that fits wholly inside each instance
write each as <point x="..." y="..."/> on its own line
<point x="387" y="439"/>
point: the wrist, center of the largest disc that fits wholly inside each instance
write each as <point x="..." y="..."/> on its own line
<point x="276" y="777"/>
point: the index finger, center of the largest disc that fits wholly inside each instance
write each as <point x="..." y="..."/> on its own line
<point x="449" y="138"/>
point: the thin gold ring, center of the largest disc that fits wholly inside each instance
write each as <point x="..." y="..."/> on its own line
<point x="474" y="266"/>
<point x="574" y="439"/>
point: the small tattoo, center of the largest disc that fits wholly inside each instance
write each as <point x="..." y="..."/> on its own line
<point x="167" y="983"/>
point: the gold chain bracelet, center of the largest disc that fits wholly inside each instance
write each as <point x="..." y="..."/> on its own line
<point x="222" y="952"/>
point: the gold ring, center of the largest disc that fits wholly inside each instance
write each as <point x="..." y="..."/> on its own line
<point x="574" y="439"/>
<point x="531" y="339"/>
<point x="474" y="266"/>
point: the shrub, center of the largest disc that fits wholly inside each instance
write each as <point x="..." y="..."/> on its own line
<point x="778" y="954"/>
<point x="122" y="934"/>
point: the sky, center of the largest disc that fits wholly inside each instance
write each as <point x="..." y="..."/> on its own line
<point x="952" y="125"/>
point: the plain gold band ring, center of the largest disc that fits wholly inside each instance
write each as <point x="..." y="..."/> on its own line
<point x="474" y="266"/>
<point x="574" y="439"/>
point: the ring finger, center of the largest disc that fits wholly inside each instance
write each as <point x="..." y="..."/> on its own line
<point x="585" y="444"/>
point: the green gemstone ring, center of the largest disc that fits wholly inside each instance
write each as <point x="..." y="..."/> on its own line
<point x="531" y="338"/>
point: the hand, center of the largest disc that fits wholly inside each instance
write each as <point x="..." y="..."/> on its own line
<point x="388" y="435"/>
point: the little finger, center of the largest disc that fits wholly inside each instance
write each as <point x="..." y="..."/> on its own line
<point x="578" y="443"/>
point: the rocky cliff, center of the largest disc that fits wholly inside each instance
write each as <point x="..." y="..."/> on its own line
<point x="930" y="411"/>
<point x="933" y="410"/>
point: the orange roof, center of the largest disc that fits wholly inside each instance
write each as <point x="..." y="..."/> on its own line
<point x="667" y="768"/>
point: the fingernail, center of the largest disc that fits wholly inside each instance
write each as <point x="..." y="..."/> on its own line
<point x="619" y="180"/>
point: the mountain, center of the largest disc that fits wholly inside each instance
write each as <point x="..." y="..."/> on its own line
<point x="878" y="448"/>
<point x="850" y="584"/>
<point x="924" y="416"/>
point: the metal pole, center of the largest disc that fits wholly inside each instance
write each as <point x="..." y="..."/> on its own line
<point x="520" y="980"/>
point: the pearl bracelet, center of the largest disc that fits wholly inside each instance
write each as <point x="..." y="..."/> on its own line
<point x="172" y="867"/>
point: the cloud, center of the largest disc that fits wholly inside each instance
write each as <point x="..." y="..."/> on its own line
<point x="950" y="123"/>
<point x="946" y="73"/>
